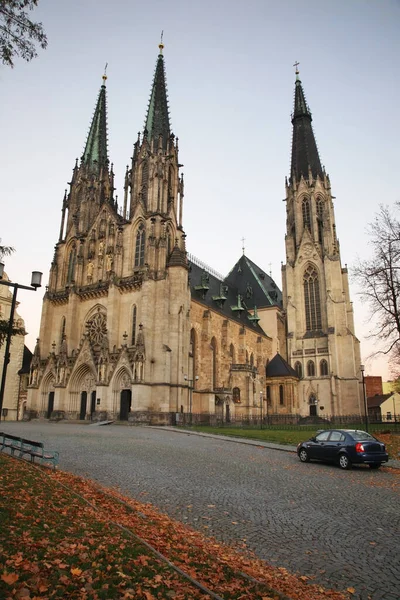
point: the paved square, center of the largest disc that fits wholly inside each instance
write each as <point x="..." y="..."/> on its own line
<point x="339" y="527"/>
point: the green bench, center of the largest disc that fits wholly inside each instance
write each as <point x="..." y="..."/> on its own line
<point x="24" y="447"/>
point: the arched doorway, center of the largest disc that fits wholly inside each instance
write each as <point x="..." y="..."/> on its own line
<point x="82" y="413"/>
<point x="92" y="403"/>
<point x="313" y="405"/>
<point x="125" y="405"/>
<point x="50" y="405"/>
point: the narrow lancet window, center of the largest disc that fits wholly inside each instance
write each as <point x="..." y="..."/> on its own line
<point x="311" y="368"/>
<point x="299" y="369"/>
<point x="312" y="302"/>
<point x="320" y="220"/>
<point x="134" y="317"/>
<point x="306" y="214"/>
<point x="323" y="367"/>
<point x="140" y="245"/>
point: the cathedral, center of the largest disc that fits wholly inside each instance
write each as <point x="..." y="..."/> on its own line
<point x="134" y="328"/>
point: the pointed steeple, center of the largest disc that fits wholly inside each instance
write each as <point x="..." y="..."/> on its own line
<point x="157" y="119"/>
<point x="95" y="153"/>
<point x="305" y="156"/>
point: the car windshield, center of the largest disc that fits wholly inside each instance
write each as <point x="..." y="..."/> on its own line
<point x="361" y="436"/>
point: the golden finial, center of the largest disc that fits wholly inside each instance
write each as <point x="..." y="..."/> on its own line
<point x="296" y="64"/>
<point x="161" y="45"/>
<point x="104" y="77"/>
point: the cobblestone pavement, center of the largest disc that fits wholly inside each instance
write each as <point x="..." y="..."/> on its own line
<point x="339" y="527"/>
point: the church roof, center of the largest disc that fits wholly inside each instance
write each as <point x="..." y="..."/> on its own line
<point x="157" y="119"/>
<point x="254" y="284"/>
<point x="237" y="296"/>
<point x="95" y="153"/>
<point x="278" y="367"/>
<point x="304" y="147"/>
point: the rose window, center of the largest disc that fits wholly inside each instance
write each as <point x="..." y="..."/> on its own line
<point x="97" y="328"/>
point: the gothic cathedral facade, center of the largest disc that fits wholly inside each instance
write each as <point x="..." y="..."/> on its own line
<point x="134" y="328"/>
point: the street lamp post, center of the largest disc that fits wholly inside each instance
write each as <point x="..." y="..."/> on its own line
<point x="261" y="409"/>
<point x="362" y="369"/>
<point x="190" y="382"/>
<point x="35" y="283"/>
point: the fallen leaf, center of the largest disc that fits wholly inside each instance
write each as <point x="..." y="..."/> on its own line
<point x="10" y="578"/>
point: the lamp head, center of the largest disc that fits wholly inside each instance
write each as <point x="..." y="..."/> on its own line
<point x="36" y="279"/>
<point x="185" y="377"/>
<point x="362" y="368"/>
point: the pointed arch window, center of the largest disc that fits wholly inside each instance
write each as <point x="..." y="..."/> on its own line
<point x="298" y="367"/>
<point x="281" y="395"/>
<point x="312" y="303"/>
<point x="170" y="184"/>
<point x="323" y="367"/>
<point x="145" y="180"/>
<point x="311" y="368"/>
<point x="134" y="317"/>
<point x="62" y="329"/>
<point x="71" y="265"/>
<point x="236" y="395"/>
<point x="320" y="220"/>
<point x="140" y="245"/>
<point x="169" y="243"/>
<point x="305" y="207"/>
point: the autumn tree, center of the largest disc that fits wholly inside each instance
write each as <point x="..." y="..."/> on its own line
<point x="379" y="280"/>
<point x="19" y="35"/>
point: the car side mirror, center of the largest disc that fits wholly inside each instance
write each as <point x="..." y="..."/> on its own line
<point x="312" y="439"/>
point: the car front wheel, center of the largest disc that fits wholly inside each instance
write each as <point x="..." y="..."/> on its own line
<point x="303" y="455"/>
<point x="344" y="461"/>
<point x="375" y="465"/>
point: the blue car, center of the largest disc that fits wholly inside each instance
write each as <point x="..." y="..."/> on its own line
<point x="344" y="447"/>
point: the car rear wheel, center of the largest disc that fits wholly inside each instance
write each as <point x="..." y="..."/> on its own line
<point x="303" y="455"/>
<point x="344" y="461"/>
<point x="375" y="465"/>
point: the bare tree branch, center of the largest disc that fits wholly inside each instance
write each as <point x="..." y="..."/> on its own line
<point x="379" y="281"/>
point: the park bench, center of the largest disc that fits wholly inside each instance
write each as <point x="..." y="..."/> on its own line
<point x="10" y="442"/>
<point x="24" y="447"/>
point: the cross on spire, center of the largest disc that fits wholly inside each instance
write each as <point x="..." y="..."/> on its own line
<point x="105" y="73"/>
<point x="243" y="241"/>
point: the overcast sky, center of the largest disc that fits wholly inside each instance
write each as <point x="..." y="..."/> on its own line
<point x="231" y="84"/>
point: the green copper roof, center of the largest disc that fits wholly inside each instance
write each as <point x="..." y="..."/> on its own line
<point x="157" y="120"/>
<point x="304" y="147"/>
<point x="95" y="153"/>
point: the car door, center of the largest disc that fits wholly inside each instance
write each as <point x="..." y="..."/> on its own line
<point x="319" y="448"/>
<point x="333" y="445"/>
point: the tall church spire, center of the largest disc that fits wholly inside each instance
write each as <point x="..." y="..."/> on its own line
<point x="95" y="154"/>
<point x="157" y="119"/>
<point x="304" y="148"/>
